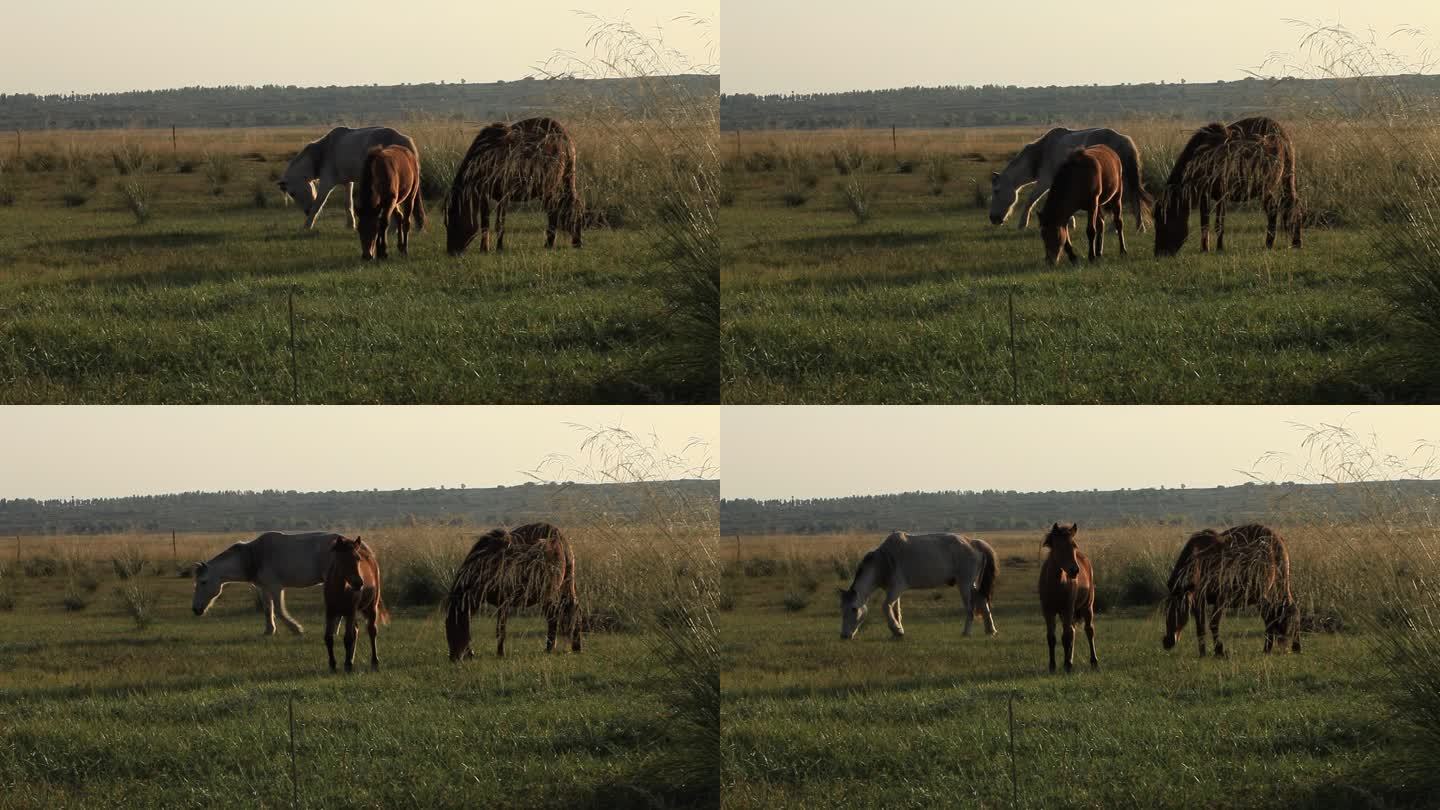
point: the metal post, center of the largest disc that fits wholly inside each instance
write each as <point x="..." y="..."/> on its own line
<point x="1014" y="369"/>
<point x="294" y="371"/>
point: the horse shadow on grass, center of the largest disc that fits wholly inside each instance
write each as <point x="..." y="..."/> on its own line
<point x="136" y="241"/>
<point x="855" y="242"/>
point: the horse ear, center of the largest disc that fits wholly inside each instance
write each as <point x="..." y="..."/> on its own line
<point x="994" y="175"/>
<point x="1074" y="527"/>
<point x="1054" y="527"/>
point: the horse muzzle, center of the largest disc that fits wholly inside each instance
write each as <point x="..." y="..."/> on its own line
<point x="200" y="611"/>
<point x="994" y="220"/>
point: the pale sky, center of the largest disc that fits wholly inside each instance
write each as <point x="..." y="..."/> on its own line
<point x="86" y="452"/>
<point x="859" y="45"/>
<point x="59" y="46"/>
<point x="809" y="452"/>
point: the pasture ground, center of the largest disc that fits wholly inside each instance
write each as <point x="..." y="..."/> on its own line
<point x="913" y="305"/>
<point x="192" y="306"/>
<point x="810" y="720"/>
<point x="192" y="712"/>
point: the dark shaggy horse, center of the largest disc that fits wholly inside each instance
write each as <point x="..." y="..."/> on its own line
<point x="1246" y="565"/>
<point x="513" y="569"/>
<point x="1251" y="158"/>
<point x="532" y="159"/>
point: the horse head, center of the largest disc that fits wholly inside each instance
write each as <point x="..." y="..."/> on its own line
<point x="345" y="564"/>
<point x="1004" y="191"/>
<point x="1171" y="213"/>
<point x="852" y="612"/>
<point x="207" y="588"/>
<point x="1061" y="542"/>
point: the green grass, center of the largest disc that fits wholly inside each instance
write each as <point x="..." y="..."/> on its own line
<point x="193" y="711"/>
<point x="812" y="721"/>
<point x="913" y="306"/>
<point x="192" y="305"/>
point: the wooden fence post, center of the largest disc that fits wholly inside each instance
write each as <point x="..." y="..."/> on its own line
<point x="174" y="142"/>
<point x="894" y="144"/>
<point x="294" y="369"/>
<point x="174" y="549"/>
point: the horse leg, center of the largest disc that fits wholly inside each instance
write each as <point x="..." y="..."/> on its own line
<point x="1090" y="636"/>
<point x="484" y="223"/>
<point x="382" y="240"/>
<point x="1095" y="229"/>
<point x="892" y="613"/>
<point x="1042" y="185"/>
<point x="1204" y="224"/>
<point x="500" y="225"/>
<point x="552" y="223"/>
<point x="1215" y="631"/>
<point x="351" y="633"/>
<point x="285" y="614"/>
<point x="1050" y="636"/>
<point x="1272" y="216"/>
<point x="354" y="223"/>
<point x="552" y="624"/>
<point x="1069" y="248"/>
<point x="331" y="621"/>
<point x="1067" y="638"/>
<point x="1197" y="612"/>
<point x="572" y="616"/>
<point x="501" y="614"/>
<point x="403" y="230"/>
<point x="1220" y="225"/>
<point x="1119" y="211"/>
<point x="986" y="615"/>
<point x="572" y="211"/>
<point x="371" y="618"/>
<point x="267" y="606"/>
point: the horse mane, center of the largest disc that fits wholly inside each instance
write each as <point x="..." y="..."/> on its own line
<point x="249" y="558"/>
<point x="1176" y="584"/>
<point x="1205" y="137"/>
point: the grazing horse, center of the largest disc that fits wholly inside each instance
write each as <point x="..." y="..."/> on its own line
<point x="905" y="561"/>
<point x="338" y="158"/>
<point x="271" y="562"/>
<point x="1245" y="565"/>
<point x="1067" y="592"/>
<point x="533" y="159"/>
<point x="352" y="585"/>
<point x="1040" y="159"/>
<point x="512" y="569"/>
<point x="1090" y="181"/>
<point x="389" y="190"/>
<point x="1253" y="157"/>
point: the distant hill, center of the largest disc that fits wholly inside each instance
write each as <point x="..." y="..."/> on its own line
<point x="993" y="105"/>
<point x="255" y="511"/>
<point x="274" y="105"/>
<point x="994" y="510"/>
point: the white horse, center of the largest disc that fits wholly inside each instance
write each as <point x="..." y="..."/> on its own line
<point x="1040" y="159"/>
<point x="337" y="158"/>
<point x="271" y="562"/>
<point x="906" y="561"/>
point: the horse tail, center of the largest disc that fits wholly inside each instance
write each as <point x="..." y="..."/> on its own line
<point x="419" y="209"/>
<point x="382" y="613"/>
<point x="985" y="586"/>
<point x="1135" y="185"/>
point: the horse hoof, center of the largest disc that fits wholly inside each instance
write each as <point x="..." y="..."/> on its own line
<point x="1094" y="664"/>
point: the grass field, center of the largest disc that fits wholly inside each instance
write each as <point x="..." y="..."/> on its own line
<point x="810" y="720"/>
<point x="193" y="304"/>
<point x="912" y="302"/>
<point x="96" y="710"/>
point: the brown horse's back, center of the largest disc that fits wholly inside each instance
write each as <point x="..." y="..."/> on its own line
<point x="1087" y="176"/>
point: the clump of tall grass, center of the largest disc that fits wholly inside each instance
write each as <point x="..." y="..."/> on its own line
<point x="41" y="161"/>
<point x="937" y="173"/>
<point x="40" y="566"/>
<point x="74" y="193"/>
<point x="857" y="195"/>
<point x="795" y="601"/>
<point x="422" y="577"/>
<point x="260" y="194"/>
<point x="661" y="148"/>
<point x="219" y="169"/>
<point x="7" y="193"/>
<point x="979" y="195"/>
<point x="131" y="158"/>
<point x="74" y="598"/>
<point x="670" y="588"/>
<point x="7" y="594"/>
<point x="129" y="562"/>
<point x="135" y="197"/>
<point x="137" y="601"/>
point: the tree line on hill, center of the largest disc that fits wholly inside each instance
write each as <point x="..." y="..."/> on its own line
<point x="997" y="105"/>
<point x="277" y="105"/>
<point x="996" y="510"/>
<point x="249" y="511"/>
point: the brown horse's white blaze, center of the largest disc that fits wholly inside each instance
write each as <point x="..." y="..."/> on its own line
<point x="921" y="561"/>
<point x="513" y="569"/>
<point x="1253" y="158"/>
<point x="1090" y="180"/>
<point x="389" y="191"/>
<point x="533" y="159"/>
<point x="352" y="586"/>
<point x="1067" y="593"/>
<point x="1244" y="565"/>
